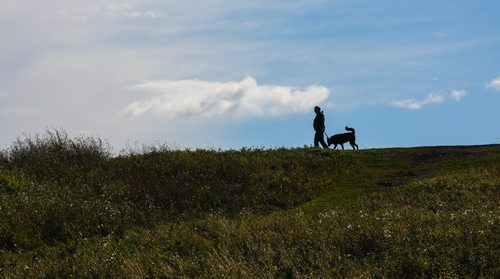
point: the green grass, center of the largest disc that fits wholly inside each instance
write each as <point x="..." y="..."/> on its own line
<point x="70" y="208"/>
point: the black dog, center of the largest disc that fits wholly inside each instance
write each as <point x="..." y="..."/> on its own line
<point x="343" y="138"/>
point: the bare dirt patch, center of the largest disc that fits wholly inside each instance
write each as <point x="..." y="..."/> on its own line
<point x="434" y="154"/>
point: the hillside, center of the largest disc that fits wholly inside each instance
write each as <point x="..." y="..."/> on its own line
<point x="68" y="207"/>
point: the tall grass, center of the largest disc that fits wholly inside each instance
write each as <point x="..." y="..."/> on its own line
<point x="56" y="156"/>
<point x="197" y="182"/>
<point x="384" y="235"/>
<point x="70" y="208"/>
<point x="55" y="189"/>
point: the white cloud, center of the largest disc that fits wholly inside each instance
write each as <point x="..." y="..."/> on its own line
<point x="432" y="98"/>
<point x="457" y="95"/>
<point x="145" y="14"/>
<point x="198" y="98"/>
<point x="494" y="84"/>
<point x="112" y="10"/>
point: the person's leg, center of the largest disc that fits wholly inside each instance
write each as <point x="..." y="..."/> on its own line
<point x="316" y="140"/>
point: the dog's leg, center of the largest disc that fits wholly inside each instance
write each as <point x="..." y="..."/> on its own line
<point x="354" y="145"/>
<point x="342" y="146"/>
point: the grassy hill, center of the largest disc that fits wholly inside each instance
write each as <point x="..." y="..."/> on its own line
<point x="69" y="208"/>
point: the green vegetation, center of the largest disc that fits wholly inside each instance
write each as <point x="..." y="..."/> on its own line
<point x="70" y="208"/>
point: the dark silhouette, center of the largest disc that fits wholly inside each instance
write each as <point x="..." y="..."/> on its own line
<point x="319" y="127"/>
<point x="343" y="138"/>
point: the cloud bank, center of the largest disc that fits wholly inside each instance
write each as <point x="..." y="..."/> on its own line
<point x="196" y="98"/>
<point x="432" y="98"/>
<point x="494" y="84"/>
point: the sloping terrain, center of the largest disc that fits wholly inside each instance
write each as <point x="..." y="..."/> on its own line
<point x="69" y="208"/>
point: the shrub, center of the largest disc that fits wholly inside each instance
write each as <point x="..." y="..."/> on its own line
<point x="3" y="159"/>
<point x="55" y="156"/>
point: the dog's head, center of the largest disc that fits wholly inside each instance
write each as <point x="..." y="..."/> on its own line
<point x="329" y="141"/>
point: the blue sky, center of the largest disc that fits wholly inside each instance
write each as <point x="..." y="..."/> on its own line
<point x="232" y="74"/>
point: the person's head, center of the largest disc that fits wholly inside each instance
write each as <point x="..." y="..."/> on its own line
<point x="317" y="109"/>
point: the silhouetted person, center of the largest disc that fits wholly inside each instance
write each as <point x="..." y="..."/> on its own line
<point x="319" y="127"/>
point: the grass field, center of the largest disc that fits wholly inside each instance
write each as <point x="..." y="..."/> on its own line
<point x="71" y="208"/>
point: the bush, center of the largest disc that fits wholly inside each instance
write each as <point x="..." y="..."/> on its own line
<point x="57" y="157"/>
<point x="3" y="159"/>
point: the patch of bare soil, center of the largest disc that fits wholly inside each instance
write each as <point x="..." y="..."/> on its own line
<point x="433" y="154"/>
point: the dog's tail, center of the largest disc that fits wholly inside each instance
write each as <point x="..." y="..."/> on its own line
<point x="350" y="129"/>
